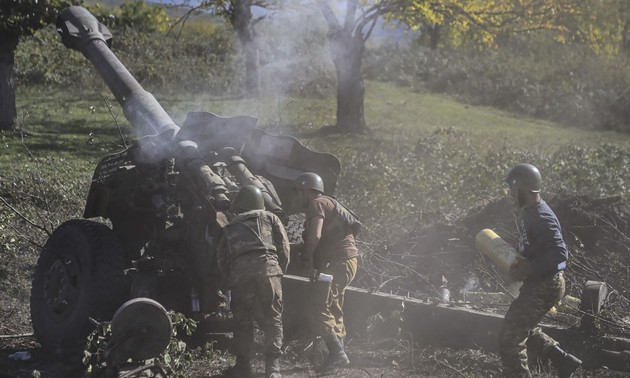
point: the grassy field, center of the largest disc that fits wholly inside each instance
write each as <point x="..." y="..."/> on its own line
<point x="425" y="153"/>
<point x="426" y="159"/>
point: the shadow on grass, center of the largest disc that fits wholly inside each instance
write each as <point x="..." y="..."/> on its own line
<point x="79" y="138"/>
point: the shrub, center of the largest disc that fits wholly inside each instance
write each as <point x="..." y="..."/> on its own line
<point x="533" y="77"/>
<point x="196" y="63"/>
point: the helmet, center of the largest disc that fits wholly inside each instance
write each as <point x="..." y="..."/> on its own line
<point x="249" y="198"/>
<point x="524" y="176"/>
<point x="310" y="180"/>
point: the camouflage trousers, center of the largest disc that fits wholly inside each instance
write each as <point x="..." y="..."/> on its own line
<point x="257" y="299"/>
<point x="327" y="298"/>
<point x="520" y="333"/>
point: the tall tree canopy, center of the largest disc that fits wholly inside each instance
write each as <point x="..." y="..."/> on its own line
<point x="19" y="18"/>
<point x="473" y="23"/>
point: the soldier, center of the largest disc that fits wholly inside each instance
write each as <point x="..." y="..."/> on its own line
<point x="542" y="245"/>
<point x="329" y="250"/>
<point x="253" y="254"/>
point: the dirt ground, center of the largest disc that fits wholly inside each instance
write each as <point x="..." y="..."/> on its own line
<point x="369" y="358"/>
<point x="596" y="230"/>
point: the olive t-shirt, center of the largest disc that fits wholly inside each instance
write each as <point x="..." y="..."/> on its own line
<point x="337" y="242"/>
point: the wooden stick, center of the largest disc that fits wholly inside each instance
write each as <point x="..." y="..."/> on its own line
<point x="17" y="336"/>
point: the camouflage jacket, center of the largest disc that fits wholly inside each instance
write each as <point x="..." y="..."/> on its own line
<point x="254" y="243"/>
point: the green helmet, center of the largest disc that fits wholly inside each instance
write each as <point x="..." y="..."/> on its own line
<point x="310" y="180"/>
<point x="525" y="177"/>
<point x="249" y="198"/>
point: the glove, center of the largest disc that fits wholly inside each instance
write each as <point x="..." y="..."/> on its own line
<point x="520" y="270"/>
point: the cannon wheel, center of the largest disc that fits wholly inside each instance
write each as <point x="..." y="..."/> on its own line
<point x="79" y="275"/>
<point x="141" y="329"/>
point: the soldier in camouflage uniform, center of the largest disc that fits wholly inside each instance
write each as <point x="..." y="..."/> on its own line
<point x="329" y="249"/>
<point x="253" y="254"/>
<point x="542" y="245"/>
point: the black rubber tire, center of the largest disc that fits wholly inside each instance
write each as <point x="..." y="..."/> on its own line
<point x="79" y="275"/>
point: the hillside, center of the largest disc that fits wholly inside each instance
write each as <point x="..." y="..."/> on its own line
<point x="425" y="178"/>
<point x="428" y="161"/>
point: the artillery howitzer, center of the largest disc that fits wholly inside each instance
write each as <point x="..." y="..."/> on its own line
<point x="167" y="197"/>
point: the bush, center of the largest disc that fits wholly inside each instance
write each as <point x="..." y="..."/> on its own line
<point x="395" y="187"/>
<point x="194" y="63"/>
<point x="533" y="77"/>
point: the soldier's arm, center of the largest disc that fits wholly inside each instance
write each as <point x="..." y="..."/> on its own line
<point x="313" y="236"/>
<point x="281" y="240"/>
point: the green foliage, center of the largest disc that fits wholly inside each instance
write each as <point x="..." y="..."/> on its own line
<point x="197" y="63"/>
<point x="600" y="25"/>
<point x="174" y="359"/>
<point x="95" y="347"/>
<point x="133" y="14"/>
<point x="140" y="16"/>
<point x="536" y="77"/>
<point x="429" y="159"/>
<point x="479" y="23"/>
<point x="23" y="17"/>
<point x="415" y="169"/>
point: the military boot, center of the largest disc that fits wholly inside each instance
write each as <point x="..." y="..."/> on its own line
<point x="241" y="369"/>
<point x="337" y="357"/>
<point x="564" y="362"/>
<point x="272" y="366"/>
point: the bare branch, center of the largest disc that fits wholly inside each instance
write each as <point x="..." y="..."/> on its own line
<point x="351" y="10"/>
<point x="26" y="148"/>
<point x="371" y="15"/>
<point x="32" y="242"/>
<point x="191" y="10"/>
<point x="111" y="113"/>
<point x="17" y="336"/>
<point x="448" y="366"/>
<point x="370" y="30"/>
<point x="329" y="15"/>
<point x="258" y="19"/>
<point x="7" y="204"/>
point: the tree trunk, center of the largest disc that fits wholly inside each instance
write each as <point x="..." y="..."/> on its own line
<point x="347" y="51"/>
<point x="625" y="42"/>
<point x="252" y="81"/>
<point x="434" y="36"/>
<point x="8" y="112"/>
<point x="241" y="20"/>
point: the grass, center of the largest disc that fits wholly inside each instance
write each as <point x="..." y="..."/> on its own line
<point x="61" y="122"/>
<point x="77" y="129"/>
<point x="426" y="154"/>
<point x="427" y="158"/>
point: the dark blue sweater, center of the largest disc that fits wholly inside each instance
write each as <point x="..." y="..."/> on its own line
<point x="541" y="241"/>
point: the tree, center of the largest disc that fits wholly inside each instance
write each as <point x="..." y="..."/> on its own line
<point x="19" y="18"/>
<point x="476" y="22"/>
<point x="602" y="25"/>
<point x="347" y="44"/>
<point x="239" y="14"/>
<point x="142" y="17"/>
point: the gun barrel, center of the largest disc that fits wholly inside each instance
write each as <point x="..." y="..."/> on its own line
<point x="81" y="31"/>
<point x="236" y="166"/>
